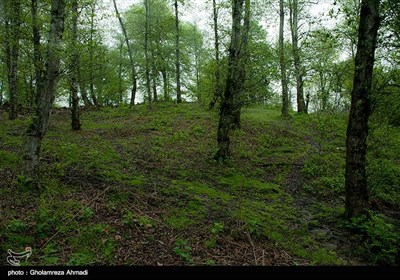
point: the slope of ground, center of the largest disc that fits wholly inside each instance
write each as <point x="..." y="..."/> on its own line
<point x="139" y="187"/>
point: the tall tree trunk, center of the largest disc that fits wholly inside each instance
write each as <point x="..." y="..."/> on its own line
<point x="14" y="19"/>
<point x="37" y="51"/>
<point x="236" y="124"/>
<point x="46" y="92"/>
<point x="218" y="87"/>
<point x="130" y="53"/>
<point x="294" y="10"/>
<point x="177" y="61"/>
<point x="75" y="114"/>
<point x="285" y="95"/>
<point x="165" y="83"/>
<point x="146" y="52"/>
<point x="120" y="91"/>
<point x="357" y="130"/>
<point x="154" y="75"/>
<point x="91" y="56"/>
<point x="230" y="103"/>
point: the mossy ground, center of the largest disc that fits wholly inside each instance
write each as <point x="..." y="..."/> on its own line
<point x="140" y="187"/>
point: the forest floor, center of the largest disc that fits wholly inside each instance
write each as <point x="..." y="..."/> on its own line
<point x="139" y="187"/>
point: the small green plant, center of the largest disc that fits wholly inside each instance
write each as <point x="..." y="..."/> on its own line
<point x="217" y="228"/>
<point x="24" y="181"/>
<point x="183" y="250"/>
<point x="87" y="213"/>
<point x="17" y="226"/>
<point x="210" y="262"/>
<point x="198" y="130"/>
<point x="378" y="239"/>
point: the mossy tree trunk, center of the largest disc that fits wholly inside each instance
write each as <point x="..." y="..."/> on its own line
<point x="357" y="131"/>
<point x="282" y="62"/>
<point x="230" y="103"/>
<point x="46" y="90"/>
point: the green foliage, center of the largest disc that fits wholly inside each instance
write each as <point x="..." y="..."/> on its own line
<point x="217" y="228"/>
<point x="183" y="250"/>
<point x="379" y="241"/>
<point x="17" y="226"/>
<point x="24" y="182"/>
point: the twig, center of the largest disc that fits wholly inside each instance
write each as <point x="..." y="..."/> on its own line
<point x="252" y="247"/>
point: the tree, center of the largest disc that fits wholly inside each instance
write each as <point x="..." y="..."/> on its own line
<point x="299" y="71"/>
<point x="45" y="91"/>
<point x="357" y="130"/>
<point x="91" y="52"/>
<point x="177" y="58"/>
<point x="12" y="26"/>
<point x="75" y="118"/>
<point x="130" y="53"/>
<point x="146" y="50"/>
<point x="236" y="76"/>
<point x="285" y="95"/>
<point x="218" y="87"/>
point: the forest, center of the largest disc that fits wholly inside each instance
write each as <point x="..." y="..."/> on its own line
<point x="200" y="133"/>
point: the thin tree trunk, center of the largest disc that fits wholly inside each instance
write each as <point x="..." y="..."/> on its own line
<point x="154" y="75"/>
<point x="75" y="114"/>
<point x="37" y="52"/>
<point x="357" y="131"/>
<point x="91" y="57"/>
<point x="236" y="124"/>
<point x="230" y="104"/>
<point x="146" y="52"/>
<point x="120" y="91"/>
<point x="177" y="50"/>
<point x="130" y="53"/>
<point x="294" y="9"/>
<point x="218" y="88"/>
<point x="14" y="19"/>
<point x="285" y="95"/>
<point x="165" y="83"/>
<point x="46" y="92"/>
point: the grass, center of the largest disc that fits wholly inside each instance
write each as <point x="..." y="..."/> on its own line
<point x="139" y="187"/>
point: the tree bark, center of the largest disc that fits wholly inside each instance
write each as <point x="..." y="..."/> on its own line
<point x="177" y="61"/>
<point x="236" y="124"/>
<point x="294" y="10"/>
<point x="130" y="53"/>
<point x="46" y="92"/>
<point x="75" y="114"/>
<point x="285" y="95"/>
<point x="165" y="83"/>
<point x="120" y="91"/>
<point x="146" y="53"/>
<point x="14" y="23"/>
<point x="218" y="88"/>
<point x="357" y="131"/>
<point x="37" y="51"/>
<point x="91" y="55"/>
<point x="154" y="76"/>
<point x="230" y="103"/>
